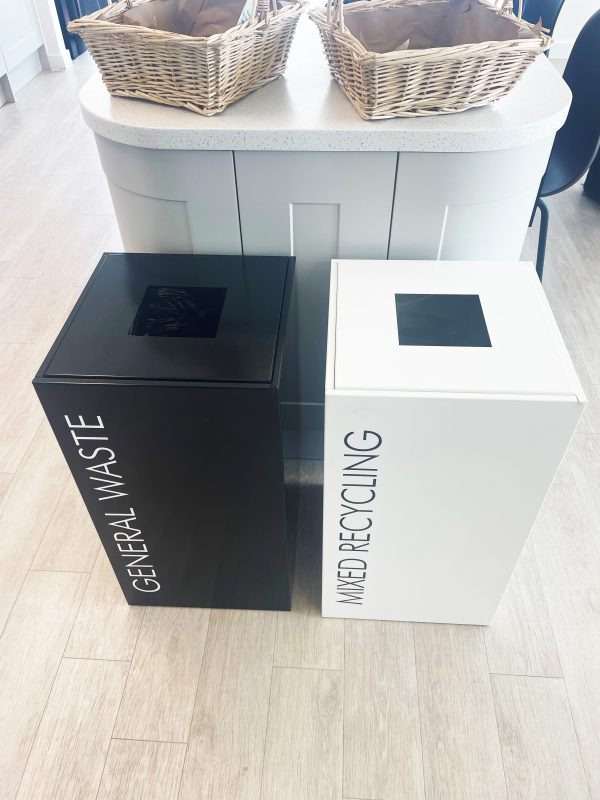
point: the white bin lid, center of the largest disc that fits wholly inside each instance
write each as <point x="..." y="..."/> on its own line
<point x="448" y="327"/>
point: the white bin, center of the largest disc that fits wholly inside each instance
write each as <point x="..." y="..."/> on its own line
<point x="450" y="400"/>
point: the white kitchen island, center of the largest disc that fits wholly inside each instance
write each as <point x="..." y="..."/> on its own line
<point x="292" y="169"/>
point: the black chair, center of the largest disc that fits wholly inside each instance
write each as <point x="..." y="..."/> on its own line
<point x="546" y="10"/>
<point x="577" y="142"/>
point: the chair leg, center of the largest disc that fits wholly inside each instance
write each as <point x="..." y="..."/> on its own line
<point x="532" y="218"/>
<point x="541" y="253"/>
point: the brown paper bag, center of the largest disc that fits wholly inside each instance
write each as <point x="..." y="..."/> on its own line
<point x="176" y="16"/>
<point x="188" y="13"/>
<point x="388" y="29"/>
<point x="157" y="14"/>
<point x="217" y="16"/>
<point x="476" y="23"/>
<point x="417" y="27"/>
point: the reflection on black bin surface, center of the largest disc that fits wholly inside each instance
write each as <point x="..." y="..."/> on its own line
<point x="179" y="311"/>
<point x="441" y="320"/>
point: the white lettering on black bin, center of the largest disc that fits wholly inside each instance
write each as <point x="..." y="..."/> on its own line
<point x="110" y="486"/>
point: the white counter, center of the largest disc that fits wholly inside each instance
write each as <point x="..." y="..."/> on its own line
<point x="293" y="170"/>
<point x="306" y="110"/>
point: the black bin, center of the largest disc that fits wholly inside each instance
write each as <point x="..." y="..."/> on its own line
<point x="163" y="392"/>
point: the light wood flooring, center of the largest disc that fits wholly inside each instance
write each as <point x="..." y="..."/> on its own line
<point x="100" y="701"/>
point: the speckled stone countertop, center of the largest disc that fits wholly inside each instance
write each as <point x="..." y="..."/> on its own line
<point x="306" y="110"/>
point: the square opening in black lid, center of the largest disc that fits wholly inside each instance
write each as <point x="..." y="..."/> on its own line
<point x="180" y="317"/>
<point x="192" y="311"/>
<point x="441" y="320"/>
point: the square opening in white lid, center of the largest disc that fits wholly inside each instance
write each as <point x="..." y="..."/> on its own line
<point x="448" y="327"/>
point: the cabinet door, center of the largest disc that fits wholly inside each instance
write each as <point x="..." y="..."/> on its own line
<point x="20" y="32"/>
<point x="315" y="206"/>
<point x="468" y="206"/>
<point x="173" y="201"/>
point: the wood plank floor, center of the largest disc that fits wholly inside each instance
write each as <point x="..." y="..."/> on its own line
<point x="100" y="701"/>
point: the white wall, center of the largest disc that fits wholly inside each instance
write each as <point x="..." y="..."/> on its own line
<point x="56" y="55"/>
<point x="574" y="15"/>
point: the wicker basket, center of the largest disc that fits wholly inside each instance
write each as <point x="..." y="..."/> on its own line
<point x="201" y="74"/>
<point x="407" y="83"/>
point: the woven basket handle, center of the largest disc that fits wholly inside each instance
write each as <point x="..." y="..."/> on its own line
<point x="261" y="9"/>
<point x="335" y="12"/>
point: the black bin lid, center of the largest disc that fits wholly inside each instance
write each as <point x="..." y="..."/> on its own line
<point x="175" y="317"/>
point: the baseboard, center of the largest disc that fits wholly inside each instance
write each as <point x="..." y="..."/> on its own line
<point x="58" y="62"/>
<point x="25" y="72"/>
